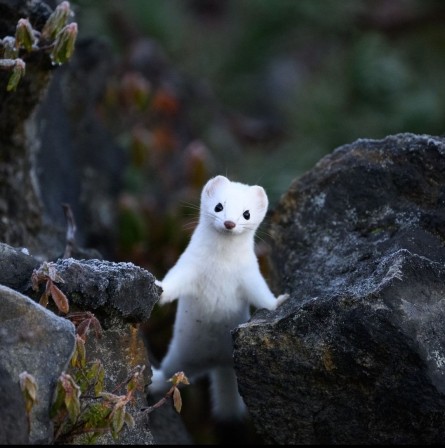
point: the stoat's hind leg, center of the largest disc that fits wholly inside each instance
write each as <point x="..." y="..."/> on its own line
<point x="173" y="362"/>
<point x="227" y="403"/>
<point x="159" y="382"/>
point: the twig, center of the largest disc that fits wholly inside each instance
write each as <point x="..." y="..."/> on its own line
<point x="158" y="404"/>
<point x="136" y="370"/>
<point x="70" y="231"/>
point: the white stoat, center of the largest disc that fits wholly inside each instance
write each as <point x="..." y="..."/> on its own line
<point x="215" y="279"/>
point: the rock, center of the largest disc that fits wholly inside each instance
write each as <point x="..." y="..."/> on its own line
<point x="20" y="205"/>
<point x="120" y="350"/>
<point x="111" y="290"/>
<point x="13" y="421"/>
<point x="356" y="354"/>
<point x="80" y="163"/>
<point x="16" y="267"/>
<point x="168" y="428"/>
<point x="121" y="296"/>
<point x="35" y="340"/>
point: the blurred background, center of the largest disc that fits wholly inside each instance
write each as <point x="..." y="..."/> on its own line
<point x="258" y="90"/>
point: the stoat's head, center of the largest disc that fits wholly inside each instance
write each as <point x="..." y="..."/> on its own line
<point x="232" y="207"/>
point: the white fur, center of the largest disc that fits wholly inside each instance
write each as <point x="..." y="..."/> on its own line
<point x="215" y="279"/>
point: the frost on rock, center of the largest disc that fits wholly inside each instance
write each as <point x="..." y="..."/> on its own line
<point x="112" y="288"/>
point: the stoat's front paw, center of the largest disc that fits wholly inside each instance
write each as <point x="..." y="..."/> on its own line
<point x="281" y="299"/>
<point x="162" y="299"/>
<point x="166" y="296"/>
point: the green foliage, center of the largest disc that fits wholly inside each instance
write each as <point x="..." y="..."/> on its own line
<point x="81" y="407"/>
<point x="57" y="21"/>
<point x="25" y="35"/>
<point x="82" y="410"/>
<point x="64" y="42"/>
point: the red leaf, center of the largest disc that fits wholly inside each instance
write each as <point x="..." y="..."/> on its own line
<point x="59" y="299"/>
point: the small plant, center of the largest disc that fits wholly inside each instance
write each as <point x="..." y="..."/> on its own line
<point x="173" y="393"/>
<point x="47" y="273"/>
<point x="81" y="406"/>
<point x="57" y="37"/>
<point x="82" y="409"/>
<point x="83" y="320"/>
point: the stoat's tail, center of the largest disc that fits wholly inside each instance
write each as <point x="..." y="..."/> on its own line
<point x="226" y="400"/>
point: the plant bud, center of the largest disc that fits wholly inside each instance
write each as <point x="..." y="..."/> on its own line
<point x="24" y="35"/>
<point x="56" y="21"/>
<point x="64" y="44"/>
<point x="9" y="49"/>
<point x="17" y="74"/>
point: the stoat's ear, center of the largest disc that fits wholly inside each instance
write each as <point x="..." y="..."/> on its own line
<point x="213" y="184"/>
<point x="260" y="196"/>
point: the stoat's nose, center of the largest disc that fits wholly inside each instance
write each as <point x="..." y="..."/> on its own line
<point x="229" y="225"/>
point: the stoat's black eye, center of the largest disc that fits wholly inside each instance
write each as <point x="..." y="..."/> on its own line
<point x="246" y="215"/>
<point x="218" y="207"/>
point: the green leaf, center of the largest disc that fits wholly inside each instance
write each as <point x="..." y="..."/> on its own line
<point x="96" y="415"/>
<point x="129" y="420"/>
<point x="79" y="356"/>
<point x="28" y="386"/>
<point x="118" y="419"/>
<point x="72" y="404"/>
<point x="72" y="396"/>
<point x="59" y="398"/>
<point x="100" y="378"/>
<point x="82" y="352"/>
<point x="132" y="385"/>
